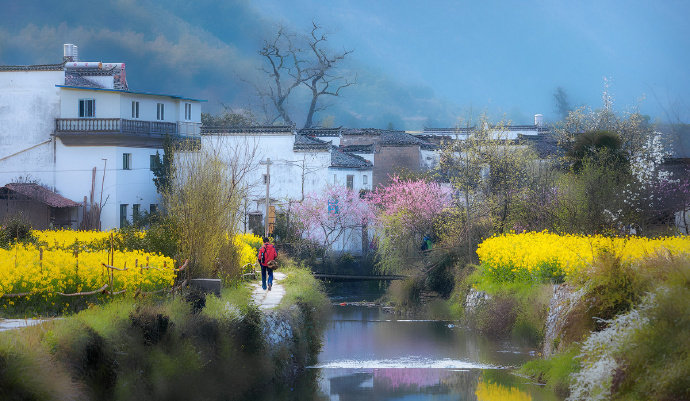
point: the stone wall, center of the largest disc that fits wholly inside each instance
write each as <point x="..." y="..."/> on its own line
<point x="388" y="160"/>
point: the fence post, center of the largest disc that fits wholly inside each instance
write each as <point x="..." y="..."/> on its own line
<point x="76" y="256"/>
<point x="40" y="259"/>
<point x="141" y="273"/>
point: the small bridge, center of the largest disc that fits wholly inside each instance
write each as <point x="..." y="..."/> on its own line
<point x="349" y="277"/>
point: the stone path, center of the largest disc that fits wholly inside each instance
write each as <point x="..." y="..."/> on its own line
<point x="268" y="299"/>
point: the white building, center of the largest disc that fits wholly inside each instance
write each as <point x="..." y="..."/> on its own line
<point x="299" y="165"/>
<point x="77" y="129"/>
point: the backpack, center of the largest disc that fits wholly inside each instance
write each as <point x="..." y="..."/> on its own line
<point x="268" y="251"/>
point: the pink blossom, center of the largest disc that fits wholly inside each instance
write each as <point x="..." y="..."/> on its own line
<point x="415" y="202"/>
<point x="332" y="214"/>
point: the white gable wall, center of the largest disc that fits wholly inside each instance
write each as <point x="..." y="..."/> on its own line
<point x="29" y="104"/>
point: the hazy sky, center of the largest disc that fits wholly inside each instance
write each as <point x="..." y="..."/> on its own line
<point x="417" y="63"/>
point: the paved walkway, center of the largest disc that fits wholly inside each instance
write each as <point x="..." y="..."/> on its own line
<point x="268" y="299"/>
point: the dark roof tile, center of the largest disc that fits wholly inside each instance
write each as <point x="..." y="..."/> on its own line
<point x="342" y="159"/>
<point x="41" y="194"/>
<point x="304" y="142"/>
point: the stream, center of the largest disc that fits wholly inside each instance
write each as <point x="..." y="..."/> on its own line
<point x="371" y="354"/>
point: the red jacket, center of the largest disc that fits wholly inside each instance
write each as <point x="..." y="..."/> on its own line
<point x="267" y="253"/>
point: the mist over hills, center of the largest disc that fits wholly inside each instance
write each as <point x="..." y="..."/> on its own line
<point x="415" y="66"/>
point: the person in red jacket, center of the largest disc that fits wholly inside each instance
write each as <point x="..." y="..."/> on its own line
<point x="267" y="254"/>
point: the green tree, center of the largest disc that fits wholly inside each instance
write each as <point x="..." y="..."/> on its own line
<point x="163" y="168"/>
<point x="229" y="118"/>
<point x="490" y="172"/>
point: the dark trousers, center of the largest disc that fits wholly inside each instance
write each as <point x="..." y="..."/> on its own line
<point x="263" y="276"/>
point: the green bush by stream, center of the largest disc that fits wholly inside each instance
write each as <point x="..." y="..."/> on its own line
<point x="165" y="349"/>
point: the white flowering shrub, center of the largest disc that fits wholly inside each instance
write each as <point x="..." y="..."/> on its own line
<point x="598" y="355"/>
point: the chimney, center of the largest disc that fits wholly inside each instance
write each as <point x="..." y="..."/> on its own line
<point x="539" y="120"/>
<point x="70" y="52"/>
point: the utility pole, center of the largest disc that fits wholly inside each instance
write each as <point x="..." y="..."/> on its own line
<point x="268" y="163"/>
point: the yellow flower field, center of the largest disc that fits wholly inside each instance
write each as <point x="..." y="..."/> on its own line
<point x="544" y="255"/>
<point x="22" y="270"/>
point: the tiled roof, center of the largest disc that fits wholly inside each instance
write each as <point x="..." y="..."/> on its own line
<point x="358" y="148"/>
<point x="545" y="144"/>
<point x="77" y="80"/>
<point x="303" y="142"/>
<point x="342" y="159"/>
<point x="38" y="67"/>
<point x="321" y="131"/>
<point x="399" y="138"/>
<point x="364" y="131"/>
<point x="262" y="129"/>
<point x="465" y="130"/>
<point x="42" y="194"/>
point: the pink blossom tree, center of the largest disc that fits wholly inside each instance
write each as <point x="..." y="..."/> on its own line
<point x="416" y="203"/>
<point x="404" y="211"/>
<point x="336" y="214"/>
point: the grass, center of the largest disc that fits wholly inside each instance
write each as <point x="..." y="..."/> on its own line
<point x="162" y="348"/>
<point x="655" y="363"/>
<point x="301" y="286"/>
<point x="554" y="371"/>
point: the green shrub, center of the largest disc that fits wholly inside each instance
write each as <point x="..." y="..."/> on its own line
<point x="15" y="229"/>
<point x="655" y="363"/>
<point x="406" y="294"/>
<point x="611" y="288"/>
<point x="497" y="317"/>
<point x="555" y="371"/>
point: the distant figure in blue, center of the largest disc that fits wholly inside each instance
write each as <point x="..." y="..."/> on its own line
<point x="427" y="243"/>
<point x="267" y="256"/>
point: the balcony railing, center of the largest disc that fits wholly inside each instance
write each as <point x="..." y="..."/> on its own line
<point x="121" y="126"/>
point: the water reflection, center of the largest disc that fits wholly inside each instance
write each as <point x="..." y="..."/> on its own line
<point x="369" y="354"/>
<point x="425" y="384"/>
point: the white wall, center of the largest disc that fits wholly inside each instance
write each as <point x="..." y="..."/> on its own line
<point x="74" y="174"/>
<point x="338" y="176"/>
<point x="29" y="104"/>
<point x="366" y="156"/>
<point x="107" y="103"/>
<point x="289" y="170"/>
<point x="430" y="158"/>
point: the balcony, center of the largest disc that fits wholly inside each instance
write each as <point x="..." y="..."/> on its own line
<point x="119" y="131"/>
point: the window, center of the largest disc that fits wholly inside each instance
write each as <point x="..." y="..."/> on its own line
<point x="265" y="179"/>
<point x="160" y="111"/>
<point x="87" y="108"/>
<point x="365" y="180"/>
<point x="350" y="181"/>
<point x="187" y="111"/>
<point x="135" y="211"/>
<point x="135" y="109"/>
<point x="153" y="208"/>
<point x="126" y="161"/>
<point x="123" y="215"/>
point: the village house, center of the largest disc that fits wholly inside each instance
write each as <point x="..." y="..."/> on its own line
<point x="77" y="130"/>
<point x="292" y="166"/>
<point x="389" y="151"/>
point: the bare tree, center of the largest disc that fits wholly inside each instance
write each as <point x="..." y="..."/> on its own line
<point x="292" y="62"/>
<point x="561" y="102"/>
